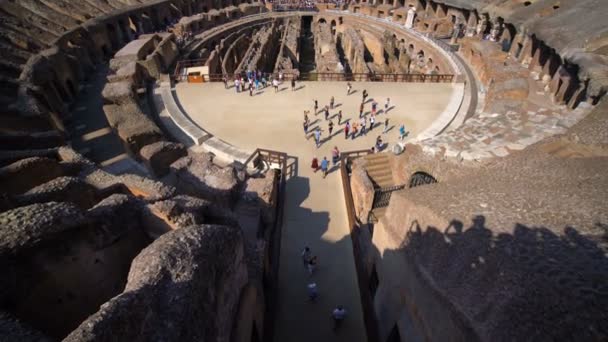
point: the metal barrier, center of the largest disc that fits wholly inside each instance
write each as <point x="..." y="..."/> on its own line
<point x="179" y="75"/>
<point x="382" y="196"/>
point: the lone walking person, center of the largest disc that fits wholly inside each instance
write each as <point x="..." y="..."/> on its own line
<point x="401" y="132"/>
<point x="385" y="125"/>
<point x="324" y="166"/>
<point x="335" y="155"/>
<point x="293" y="84"/>
<point x="339" y="117"/>
<point x="346" y="130"/>
<point x="318" y="137"/>
<point x="275" y="84"/>
<point x="349" y="87"/>
<point x="330" y="127"/>
<point x="331" y="103"/>
<point x="338" y="315"/>
<point x="313" y="293"/>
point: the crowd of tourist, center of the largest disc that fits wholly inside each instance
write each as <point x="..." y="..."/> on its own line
<point x="351" y="130"/>
<point x="301" y="5"/>
<point x="257" y="80"/>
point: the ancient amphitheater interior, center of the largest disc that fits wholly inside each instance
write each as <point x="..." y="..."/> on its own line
<point x="162" y="170"/>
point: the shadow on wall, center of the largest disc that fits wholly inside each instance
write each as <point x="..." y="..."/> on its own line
<point x="470" y="284"/>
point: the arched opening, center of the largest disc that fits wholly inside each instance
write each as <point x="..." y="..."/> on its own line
<point x="105" y="51"/>
<point x="333" y="27"/>
<point x="322" y="21"/>
<point x="421" y="178"/>
<point x="340" y="21"/>
<point x="70" y="88"/>
<point x="112" y="36"/>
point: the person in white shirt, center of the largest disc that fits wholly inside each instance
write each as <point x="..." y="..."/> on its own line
<point x="338" y="315"/>
<point x="313" y="292"/>
<point x="275" y="84"/>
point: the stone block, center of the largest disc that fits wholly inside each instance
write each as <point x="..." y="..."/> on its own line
<point x="25" y="174"/>
<point x="188" y="282"/>
<point x="362" y="190"/>
<point x="61" y="189"/>
<point x="118" y="92"/>
<point x="198" y="176"/>
<point x="160" y="155"/>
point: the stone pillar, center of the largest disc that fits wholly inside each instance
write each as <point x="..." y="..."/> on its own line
<point x="455" y="33"/>
<point x="409" y="21"/>
<point x="471" y="25"/>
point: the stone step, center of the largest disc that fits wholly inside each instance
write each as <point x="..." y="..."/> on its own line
<point x="377" y="214"/>
<point x="381" y="177"/>
<point x="380" y="167"/>
<point x="385" y="184"/>
<point x="376" y="157"/>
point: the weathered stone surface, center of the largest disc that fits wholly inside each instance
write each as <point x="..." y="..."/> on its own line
<point x="183" y="211"/>
<point x="135" y="185"/>
<point x="25" y="174"/>
<point x="198" y="176"/>
<point x="477" y="237"/>
<point x="183" y="287"/>
<point x="134" y="128"/>
<point x="28" y="141"/>
<point x="116" y="215"/>
<point x="262" y="192"/>
<point x="164" y="216"/>
<point x="118" y="92"/>
<point x="62" y="189"/>
<point x="11" y="329"/>
<point x="159" y="156"/>
<point x="32" y="225"/>
<point x="362" y="190"/>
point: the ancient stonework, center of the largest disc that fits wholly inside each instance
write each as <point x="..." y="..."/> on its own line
<point x="184" y="286"/>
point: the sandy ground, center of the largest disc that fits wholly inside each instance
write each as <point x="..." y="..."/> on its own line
<point x="315" y="213"/>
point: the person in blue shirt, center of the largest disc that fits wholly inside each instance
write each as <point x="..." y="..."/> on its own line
<point x="324" y="166"/>
<point x="401" y="132"/>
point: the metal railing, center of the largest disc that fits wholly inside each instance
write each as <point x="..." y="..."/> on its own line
<point x="382" y="196"/>
<point x="179" y="75"/>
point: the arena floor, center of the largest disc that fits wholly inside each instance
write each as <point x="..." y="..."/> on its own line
<point x="315" y="214"/>
<point x="274" y="120"/>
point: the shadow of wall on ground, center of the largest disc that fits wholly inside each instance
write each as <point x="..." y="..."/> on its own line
<point x="531" y="284"/>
